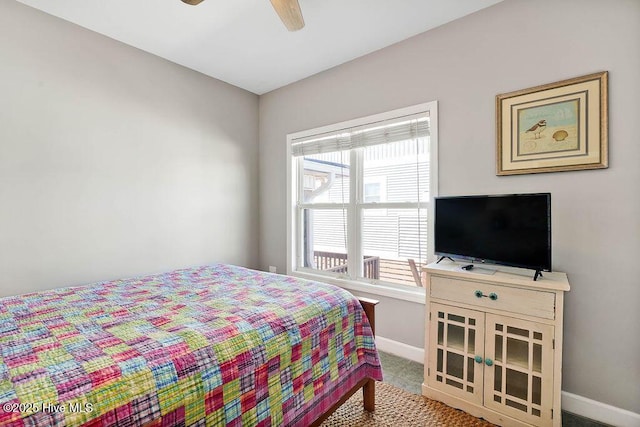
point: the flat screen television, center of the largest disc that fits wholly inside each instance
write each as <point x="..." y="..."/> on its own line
<point x="512" y="230"/>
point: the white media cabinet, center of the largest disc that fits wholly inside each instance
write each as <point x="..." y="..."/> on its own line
<point x="494" y="342"/>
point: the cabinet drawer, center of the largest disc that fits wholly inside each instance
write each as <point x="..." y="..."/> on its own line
<point x="515" y="300"/>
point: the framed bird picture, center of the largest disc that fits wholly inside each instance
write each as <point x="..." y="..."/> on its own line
<point x="554" y="127"/>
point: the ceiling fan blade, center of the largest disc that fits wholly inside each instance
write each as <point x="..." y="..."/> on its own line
<point x="192" y="2"/>
<point x="289" y="12"/>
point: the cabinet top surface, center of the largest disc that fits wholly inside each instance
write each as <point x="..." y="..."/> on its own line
<point x="554" y="280"/>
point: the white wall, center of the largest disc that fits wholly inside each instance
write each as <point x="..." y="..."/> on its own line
<point x="114" y="162"/>
<point x="464" y="65"/>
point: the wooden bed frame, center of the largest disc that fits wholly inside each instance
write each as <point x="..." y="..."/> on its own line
<point x="367" y="385"/>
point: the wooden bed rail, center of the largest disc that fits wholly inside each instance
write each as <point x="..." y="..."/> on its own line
<point x="369" y="389"/>
<point x="369" y="306"/>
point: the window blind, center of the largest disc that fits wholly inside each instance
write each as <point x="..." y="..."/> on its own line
<point x="399" y="129"/>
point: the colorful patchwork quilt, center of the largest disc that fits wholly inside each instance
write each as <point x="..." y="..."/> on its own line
<point x="213" y="345"/>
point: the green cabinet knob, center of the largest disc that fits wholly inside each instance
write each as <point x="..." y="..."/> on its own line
<point x="478" y="359"/>
<point x="493" y="296"/>
<point x="478" y="294"/>
<point x="488" y="362"/>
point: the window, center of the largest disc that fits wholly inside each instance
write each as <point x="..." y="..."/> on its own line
<point x="359" y="197"/>
<point x="375" y="189"/>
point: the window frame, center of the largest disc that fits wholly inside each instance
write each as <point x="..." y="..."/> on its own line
<point x="294" y="222"/>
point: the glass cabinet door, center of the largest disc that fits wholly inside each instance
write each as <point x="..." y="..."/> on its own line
<point x="519" y="368"/>
<point x="456" y="346"/>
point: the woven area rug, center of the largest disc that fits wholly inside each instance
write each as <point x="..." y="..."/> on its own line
<point x="397" y="407"/>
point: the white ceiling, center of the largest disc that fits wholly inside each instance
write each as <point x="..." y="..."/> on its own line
<point x="244" y="43"/>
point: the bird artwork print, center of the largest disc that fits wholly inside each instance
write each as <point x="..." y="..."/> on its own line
<point x="538" y="128"/>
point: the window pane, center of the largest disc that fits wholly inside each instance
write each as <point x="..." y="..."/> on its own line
<point x="401" y="170"/>
<point x="326" y="178"/>
<point x="325" y="239"/>
<point x="517" y="385"/>
<point x="394" y="236"/>
<point x="455" y="365"/>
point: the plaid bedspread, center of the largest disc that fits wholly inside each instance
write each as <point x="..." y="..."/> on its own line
<point x="213" y="345"/>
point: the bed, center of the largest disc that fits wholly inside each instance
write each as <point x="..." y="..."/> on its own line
<point x="211" y="345"/>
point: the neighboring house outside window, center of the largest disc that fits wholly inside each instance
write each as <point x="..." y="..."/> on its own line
<point x="359" y="198"/>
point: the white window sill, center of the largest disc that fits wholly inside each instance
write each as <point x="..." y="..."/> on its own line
<point x="412" y="295"/>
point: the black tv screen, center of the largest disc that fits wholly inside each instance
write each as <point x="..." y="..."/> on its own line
<point x="513" y="230"/>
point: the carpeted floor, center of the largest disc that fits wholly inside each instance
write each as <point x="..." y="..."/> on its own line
<point x="397" y="407"/>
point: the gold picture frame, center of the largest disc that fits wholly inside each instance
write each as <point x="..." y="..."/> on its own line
<point x="555" y="127"/>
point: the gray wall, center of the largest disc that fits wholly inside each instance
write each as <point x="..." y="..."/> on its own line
<point x="114" y="162"/>
<point x="464" y="64"/>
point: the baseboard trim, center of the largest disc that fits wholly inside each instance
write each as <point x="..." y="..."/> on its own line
<point x="400" y="349"/>
<point x="573" y="403"/>
<point x="599" y="411"/>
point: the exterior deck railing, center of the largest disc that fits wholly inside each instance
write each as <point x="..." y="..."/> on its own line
<point x="337" y="263"/>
